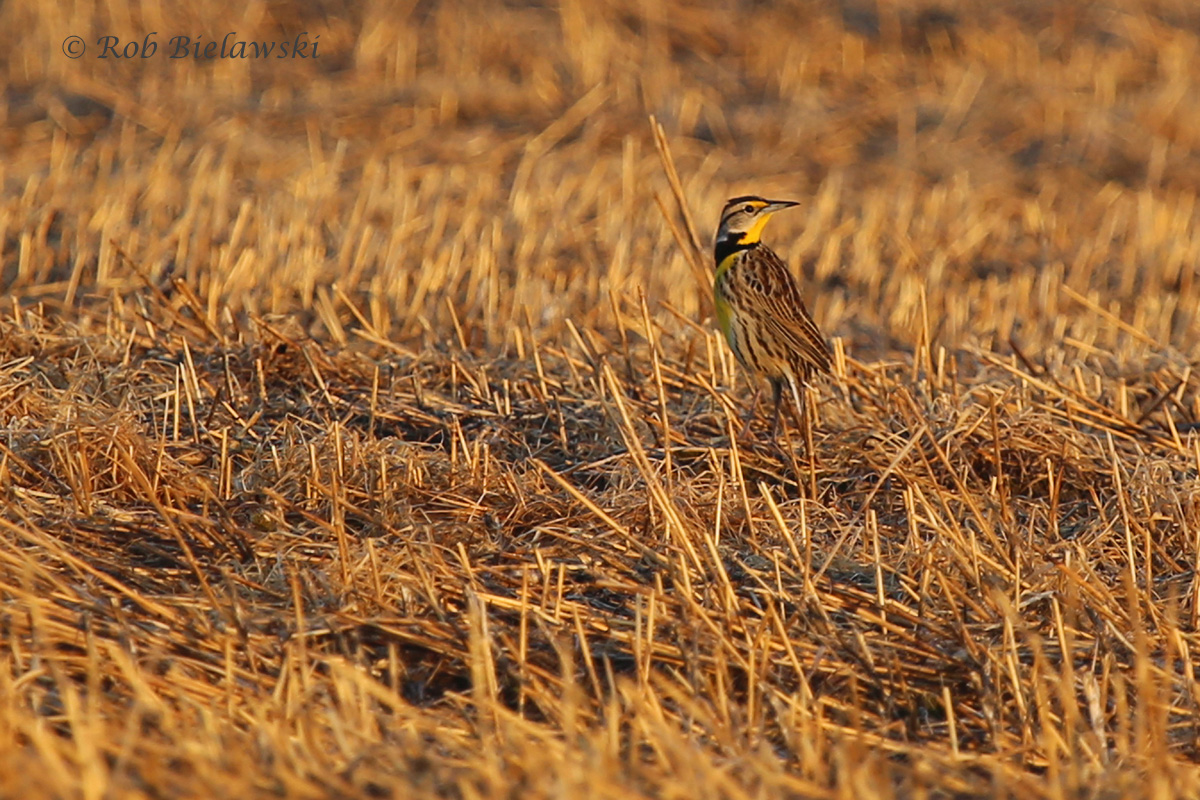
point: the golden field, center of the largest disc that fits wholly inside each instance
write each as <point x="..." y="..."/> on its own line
<point x="365" y="433"/>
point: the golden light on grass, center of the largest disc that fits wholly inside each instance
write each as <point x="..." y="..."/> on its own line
<point x="363" y="433"/>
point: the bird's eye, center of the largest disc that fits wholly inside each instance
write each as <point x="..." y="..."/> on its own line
<point x="749" y="209"/>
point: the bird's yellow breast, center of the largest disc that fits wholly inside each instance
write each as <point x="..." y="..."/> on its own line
<point x="724" y="310"/>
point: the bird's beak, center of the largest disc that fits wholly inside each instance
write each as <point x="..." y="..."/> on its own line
<point x="779" y="205"/>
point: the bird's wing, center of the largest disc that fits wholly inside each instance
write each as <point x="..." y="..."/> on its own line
<point x="788" y="319"/>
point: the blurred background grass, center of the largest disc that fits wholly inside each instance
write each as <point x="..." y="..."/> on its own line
<point x="497" y="155"/>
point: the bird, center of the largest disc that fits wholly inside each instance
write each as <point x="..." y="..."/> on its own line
<point x="759" y="306"/>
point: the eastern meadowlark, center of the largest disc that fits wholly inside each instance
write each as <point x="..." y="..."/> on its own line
<point x="759" y="307"/>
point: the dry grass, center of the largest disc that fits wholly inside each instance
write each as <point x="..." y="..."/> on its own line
<point x="364" y="435"/>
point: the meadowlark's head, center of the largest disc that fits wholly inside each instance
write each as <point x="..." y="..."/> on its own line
<point x="744" y="218"/>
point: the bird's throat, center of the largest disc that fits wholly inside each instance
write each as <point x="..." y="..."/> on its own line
<point x="728" y="247"/>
